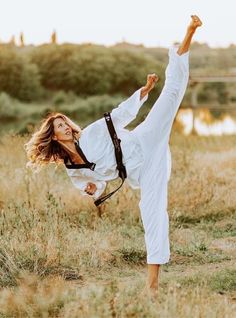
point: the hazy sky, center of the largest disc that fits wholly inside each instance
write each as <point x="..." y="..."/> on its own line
<point x="150" y="22"/>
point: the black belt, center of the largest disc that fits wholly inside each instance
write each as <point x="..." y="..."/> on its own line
<point x="91" y="165"/>
<point x="118" y="153"/>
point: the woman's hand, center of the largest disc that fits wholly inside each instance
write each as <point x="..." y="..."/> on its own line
<point x="152" y="79"/>
<point x="90" y="188"/>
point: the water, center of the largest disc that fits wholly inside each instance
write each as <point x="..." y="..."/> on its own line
<point x="205" y="124"/>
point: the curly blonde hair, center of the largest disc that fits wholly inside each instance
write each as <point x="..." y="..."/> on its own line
<point x="41" y="149"/>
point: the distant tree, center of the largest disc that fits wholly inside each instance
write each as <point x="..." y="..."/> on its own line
<point x="54" y="37"/>
<point x="213" y="92"/>
<point x="18" y="77"/>
<point x="93" y="70"/>
<point x="22" y="42"/>
<point x="55" y="64"/>
<point x="12" y="40"/>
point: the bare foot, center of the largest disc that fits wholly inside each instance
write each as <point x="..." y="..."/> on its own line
<point x="151" y="293"/>
<point x="195" y="23"/>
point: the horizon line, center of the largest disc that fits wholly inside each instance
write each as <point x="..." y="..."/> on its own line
<point x="124" y="42"/>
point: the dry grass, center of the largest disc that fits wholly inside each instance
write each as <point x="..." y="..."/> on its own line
<point x="59" y="259"/>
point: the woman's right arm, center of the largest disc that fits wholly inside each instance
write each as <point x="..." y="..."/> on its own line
<point x="82" y="184"/>
<point x="91" y="188"/>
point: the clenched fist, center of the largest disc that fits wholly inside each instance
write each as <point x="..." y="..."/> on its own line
<point x="90" y="188"/>
<point x="152" y="79"/>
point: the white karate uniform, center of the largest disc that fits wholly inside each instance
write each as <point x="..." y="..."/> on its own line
<point x="146" y="154"/>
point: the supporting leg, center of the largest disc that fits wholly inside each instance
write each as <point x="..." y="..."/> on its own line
<point x="153" y="208"/>
<point x="151" y="287"/>
<point x="153" y="274"/>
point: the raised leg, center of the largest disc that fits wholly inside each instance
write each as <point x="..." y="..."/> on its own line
<point x="157" y="125"/>
<point x="195" y="23"/>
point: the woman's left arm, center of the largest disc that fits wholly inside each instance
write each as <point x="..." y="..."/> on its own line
<point x="151" y="81"/>
<point x="127" y="111"/>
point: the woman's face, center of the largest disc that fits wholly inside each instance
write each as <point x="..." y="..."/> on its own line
<point x="62" y="131"/>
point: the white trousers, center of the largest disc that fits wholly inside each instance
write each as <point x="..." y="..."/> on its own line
<point x="153" y="134"/>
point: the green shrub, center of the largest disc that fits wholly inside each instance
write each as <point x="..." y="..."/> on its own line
<point x="18" y="76"/>
<point x="224" y="281"/>
<point x="91" y="69"/>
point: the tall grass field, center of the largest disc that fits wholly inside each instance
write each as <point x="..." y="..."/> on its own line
<point x="61" y="256"/>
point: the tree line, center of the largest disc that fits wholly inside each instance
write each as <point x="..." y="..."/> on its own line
<point x="31" y="73"/>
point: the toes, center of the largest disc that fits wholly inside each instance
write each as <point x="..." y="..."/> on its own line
<point x="196" y="20"/>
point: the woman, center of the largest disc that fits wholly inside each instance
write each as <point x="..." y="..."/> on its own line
<point x="146" y="154"/>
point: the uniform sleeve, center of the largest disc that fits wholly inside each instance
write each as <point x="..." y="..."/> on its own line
<point x="81" y="184"/>
<point x="177" y="72"/>
<point x="101" y="186"/>
<point x="127" y="111"/>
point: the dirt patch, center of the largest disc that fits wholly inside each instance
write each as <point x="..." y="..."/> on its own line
<point x="228" y="245"/>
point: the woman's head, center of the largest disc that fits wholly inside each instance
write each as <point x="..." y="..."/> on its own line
<point x="44" y="145"/>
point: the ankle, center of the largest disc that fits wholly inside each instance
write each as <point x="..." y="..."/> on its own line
<point x="153" y="286"/>
<point x="191" y="30"/>
<point x="152" y="283"/>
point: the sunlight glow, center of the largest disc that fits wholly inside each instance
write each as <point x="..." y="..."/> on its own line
<point x="226" y="126"/>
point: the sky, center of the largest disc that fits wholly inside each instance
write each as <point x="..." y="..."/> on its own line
<point x="150" y="22"/>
